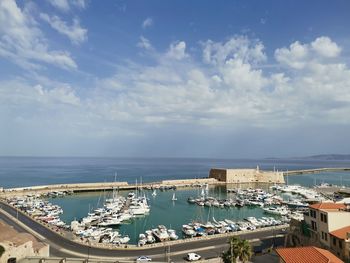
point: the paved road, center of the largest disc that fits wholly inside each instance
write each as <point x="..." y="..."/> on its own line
<point x="61" y="246"/>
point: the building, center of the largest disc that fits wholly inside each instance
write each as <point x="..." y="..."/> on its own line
<point x="16" y="246"/>
<point x="246" y="175"/>
<point x="324" y="218"/>
<point x="340" y="242"/>
<point x="309" y="254"/>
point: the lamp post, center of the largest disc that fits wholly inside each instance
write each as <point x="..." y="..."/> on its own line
<point x="168" y="253"/>
<point x="88" y="256"/>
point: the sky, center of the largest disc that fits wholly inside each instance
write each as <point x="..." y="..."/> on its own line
<point x="216" y="79"/>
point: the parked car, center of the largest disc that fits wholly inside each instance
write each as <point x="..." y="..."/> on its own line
<point x="193" y="257"/>
<point x="143" y="259"/>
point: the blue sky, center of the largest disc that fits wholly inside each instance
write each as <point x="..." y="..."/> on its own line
<point x="231" y="79"/>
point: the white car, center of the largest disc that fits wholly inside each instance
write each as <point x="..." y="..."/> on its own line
<point x="193" y="257"/>
<point x="143" y="259"/>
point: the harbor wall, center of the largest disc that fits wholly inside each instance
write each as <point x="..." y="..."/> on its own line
<point x="317" y="170"/>
<point x="190" y="181"/>
<point x="90" y="187"/>
<point x="230" y="176"/>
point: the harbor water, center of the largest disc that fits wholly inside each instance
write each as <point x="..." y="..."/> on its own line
<point x="164" y="211"/>
<point x="17" y="172"/>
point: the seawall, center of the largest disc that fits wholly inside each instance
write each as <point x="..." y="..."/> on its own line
<point x="317" y="170"/>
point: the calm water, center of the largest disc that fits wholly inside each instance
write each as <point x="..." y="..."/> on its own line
<point x="16" y="172"/>
<point x="164" y="211"/>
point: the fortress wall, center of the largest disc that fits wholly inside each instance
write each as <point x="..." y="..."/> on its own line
<point x="246" y="176"/>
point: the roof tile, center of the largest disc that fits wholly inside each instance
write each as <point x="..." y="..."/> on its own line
<point x="341" y="233"/>
<point x="307" y="255"/>
<point x="326" y="206"/>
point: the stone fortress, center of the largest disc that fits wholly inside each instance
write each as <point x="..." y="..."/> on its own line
<point x="233" y="176"/>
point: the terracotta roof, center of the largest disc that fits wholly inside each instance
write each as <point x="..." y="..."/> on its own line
<point x="307" y="255"/>
<point x="341" y="233"/>
<point x="327" y="206"/>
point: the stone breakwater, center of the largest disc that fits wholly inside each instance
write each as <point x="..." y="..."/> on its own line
<point x="108" y="186"/>
<point x="318" y="170"/>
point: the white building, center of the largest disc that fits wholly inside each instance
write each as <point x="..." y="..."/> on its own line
<point x="19" y="245"/>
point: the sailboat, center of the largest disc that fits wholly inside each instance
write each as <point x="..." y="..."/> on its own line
<point x="202" y="192"/>
<point x="154" y="192"/>
<point x="174" y="197"/>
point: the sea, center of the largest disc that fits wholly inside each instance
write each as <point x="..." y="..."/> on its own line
<point x="30" y="171"/>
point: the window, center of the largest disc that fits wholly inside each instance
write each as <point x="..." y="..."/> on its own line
<point x="325" y="218"/>
<point x="322" y="235"/>
<point x="313" y="225"/>
<point x="334" y="241"/>
<point x="321" y="217"/>
<point x="313" y="213"/>
<point x="340" y="244"/>
<point x="326" y="236"/>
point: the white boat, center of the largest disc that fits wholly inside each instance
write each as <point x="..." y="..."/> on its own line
<point x="142" y="240"/>
<point x="154" y="193"/>
<point x="282" y="211"/>
<point x="114" y="221"/>
<point x="174" y="197"/>
<point x="188" y="231"/>
<point x="172" y="234"/>
<point x="161" y="233"/>
<point x="149" y="237"/>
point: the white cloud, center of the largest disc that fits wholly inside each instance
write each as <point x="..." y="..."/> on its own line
<point x="177" y="51"/>
<point x="148" y="22"/>
<point x="60" y="4"/>
<point x="231" y="90"/>
<point x="144" y="43"/>
<point x="295" y="57"/>
<point x="62" y="94"/>
<point x="65" y="5"/>
<point x="29" y="98"/>
<point x="74" y="32"/>
<point x="326" y="47"/>
<point x="239" y="47"/>
<point x="298" y="55"/>
<point x="79" y="3"/>
<point x="23" y="43"/>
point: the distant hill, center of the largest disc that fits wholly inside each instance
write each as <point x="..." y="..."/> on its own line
<point x="340" y="157"/>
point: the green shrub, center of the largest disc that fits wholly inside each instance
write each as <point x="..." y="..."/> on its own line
<point x="2" y="250"/>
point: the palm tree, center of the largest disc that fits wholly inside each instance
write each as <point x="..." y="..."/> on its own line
<point x="239" y="250"/>
<point x="244" y="251"/>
